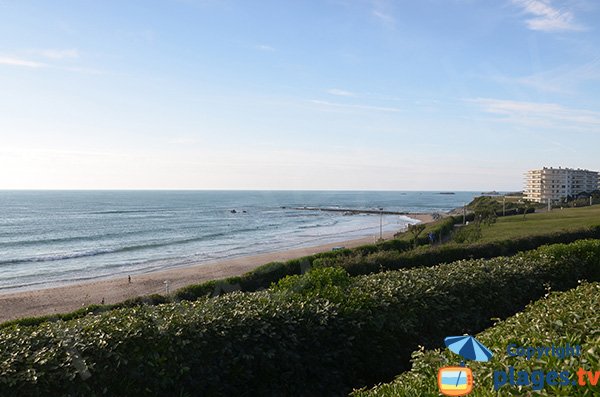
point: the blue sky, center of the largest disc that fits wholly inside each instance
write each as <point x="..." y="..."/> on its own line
<point x="330" y="94"/>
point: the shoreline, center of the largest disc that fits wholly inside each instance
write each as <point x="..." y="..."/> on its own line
<point x="73" y="296"/>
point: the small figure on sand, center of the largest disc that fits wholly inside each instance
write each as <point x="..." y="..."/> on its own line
<point x="102" y="300"/>
<point x="129" y="279"/>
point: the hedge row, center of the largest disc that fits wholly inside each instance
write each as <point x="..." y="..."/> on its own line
<point x="154" y="299"/>
<point x="567" y="317"/>
<point x="376" y="258"/>
<point x="263" y="276"/>
<point x="429" y="256"/>
<point x="302" y="338"/>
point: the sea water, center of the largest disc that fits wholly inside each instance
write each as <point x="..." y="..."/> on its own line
<point x="49" y="238"/>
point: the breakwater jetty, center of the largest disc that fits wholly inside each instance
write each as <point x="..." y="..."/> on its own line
<point x="354" y="211"/>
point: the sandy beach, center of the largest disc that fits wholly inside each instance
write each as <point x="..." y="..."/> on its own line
<point x="71" y="297"/>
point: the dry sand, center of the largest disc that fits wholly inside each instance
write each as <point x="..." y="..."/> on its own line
<point x="71" y="297"/>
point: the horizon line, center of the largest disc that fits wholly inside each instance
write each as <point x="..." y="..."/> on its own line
<point x="246" y="190"/>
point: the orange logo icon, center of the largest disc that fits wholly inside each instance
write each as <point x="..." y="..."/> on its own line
<point x="455" y="381"/>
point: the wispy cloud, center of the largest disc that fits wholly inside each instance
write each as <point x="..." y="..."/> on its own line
<point x="56" y="60"/>
<point x="566" y="78"/>
<point x="354" y="106"/>
<point x="387" y="18"/>
<point x="380" y="10"/>
<point x="546" y="17"/>
<point x="539" y="114"/>
<point x="339" y="92"/>
<point x="13" y="61"/>
<point x="58" y="54"/>
<point x="264" y="47"/>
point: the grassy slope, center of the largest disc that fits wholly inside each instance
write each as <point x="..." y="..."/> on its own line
<point x="545" y="222"/>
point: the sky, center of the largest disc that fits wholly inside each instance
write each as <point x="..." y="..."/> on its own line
<point x="328" y="94"/>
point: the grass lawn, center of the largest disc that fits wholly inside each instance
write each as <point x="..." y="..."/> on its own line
<point x="545" y="222"/>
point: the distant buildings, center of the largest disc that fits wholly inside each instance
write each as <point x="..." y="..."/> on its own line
<point x="555" y="184"/>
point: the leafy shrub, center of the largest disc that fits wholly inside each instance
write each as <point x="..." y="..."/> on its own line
<point x="329" y="282"/>
<point x="280" y="341"/>
<point x="263" y="276"/>
<point x="429" y="256"/>
<point x="567" y="317"/>
<point x="154" y="299"/>
<point x="467" y="235"/>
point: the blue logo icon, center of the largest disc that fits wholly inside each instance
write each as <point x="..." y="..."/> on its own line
<point x="468" y="347"/>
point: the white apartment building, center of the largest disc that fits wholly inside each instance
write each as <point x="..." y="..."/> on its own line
<point x="554" y="184"/>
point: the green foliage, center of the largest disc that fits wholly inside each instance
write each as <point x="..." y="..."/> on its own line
<point x="415" y="230"/>
<point x="440" y="229"/>
<point x="429" y="256"/>
<point x="567" y="317"/>
<point x="484" y="201"/>
<point x="154" y="299"/>
<point x="263" y="276"/>
<point x="492" y="207"/>
<point x="485" y="210"/>
<point x="297" y="339"/>
<point x="328" y="282"/>
<point x="467" y="234"/>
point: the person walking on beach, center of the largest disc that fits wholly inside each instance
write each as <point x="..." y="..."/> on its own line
<point x="129" y="279"/>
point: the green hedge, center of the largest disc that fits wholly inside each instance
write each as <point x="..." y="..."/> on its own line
<point x="263" y="276"/>
<point x="429" y="256"/>
<point x="389" y="255"/>
<point x="286" y="340"/>
<point x="566" y="317"/>
<point x="154" y="299"/>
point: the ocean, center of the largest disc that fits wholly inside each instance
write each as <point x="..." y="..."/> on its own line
<point x="50" y="238"/>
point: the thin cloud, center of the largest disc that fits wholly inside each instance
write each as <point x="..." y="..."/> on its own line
<point x="383" y="16"/>
<point x="539" y="114"/>
<point x="11" y="61"/>
<point x="380" y="10"/>
<point x="564" y="79"/>
<point x="547" y="18"/>
<point x="59" y="54"/>
<point x="338" y="92"/>
<point x="350" y="106"/>
<point x="55" y="57"/>
<point x="264" y="47"/>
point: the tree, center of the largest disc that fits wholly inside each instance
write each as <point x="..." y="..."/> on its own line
<point x="486" y="215"/>
<point x="415" y="230"/>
